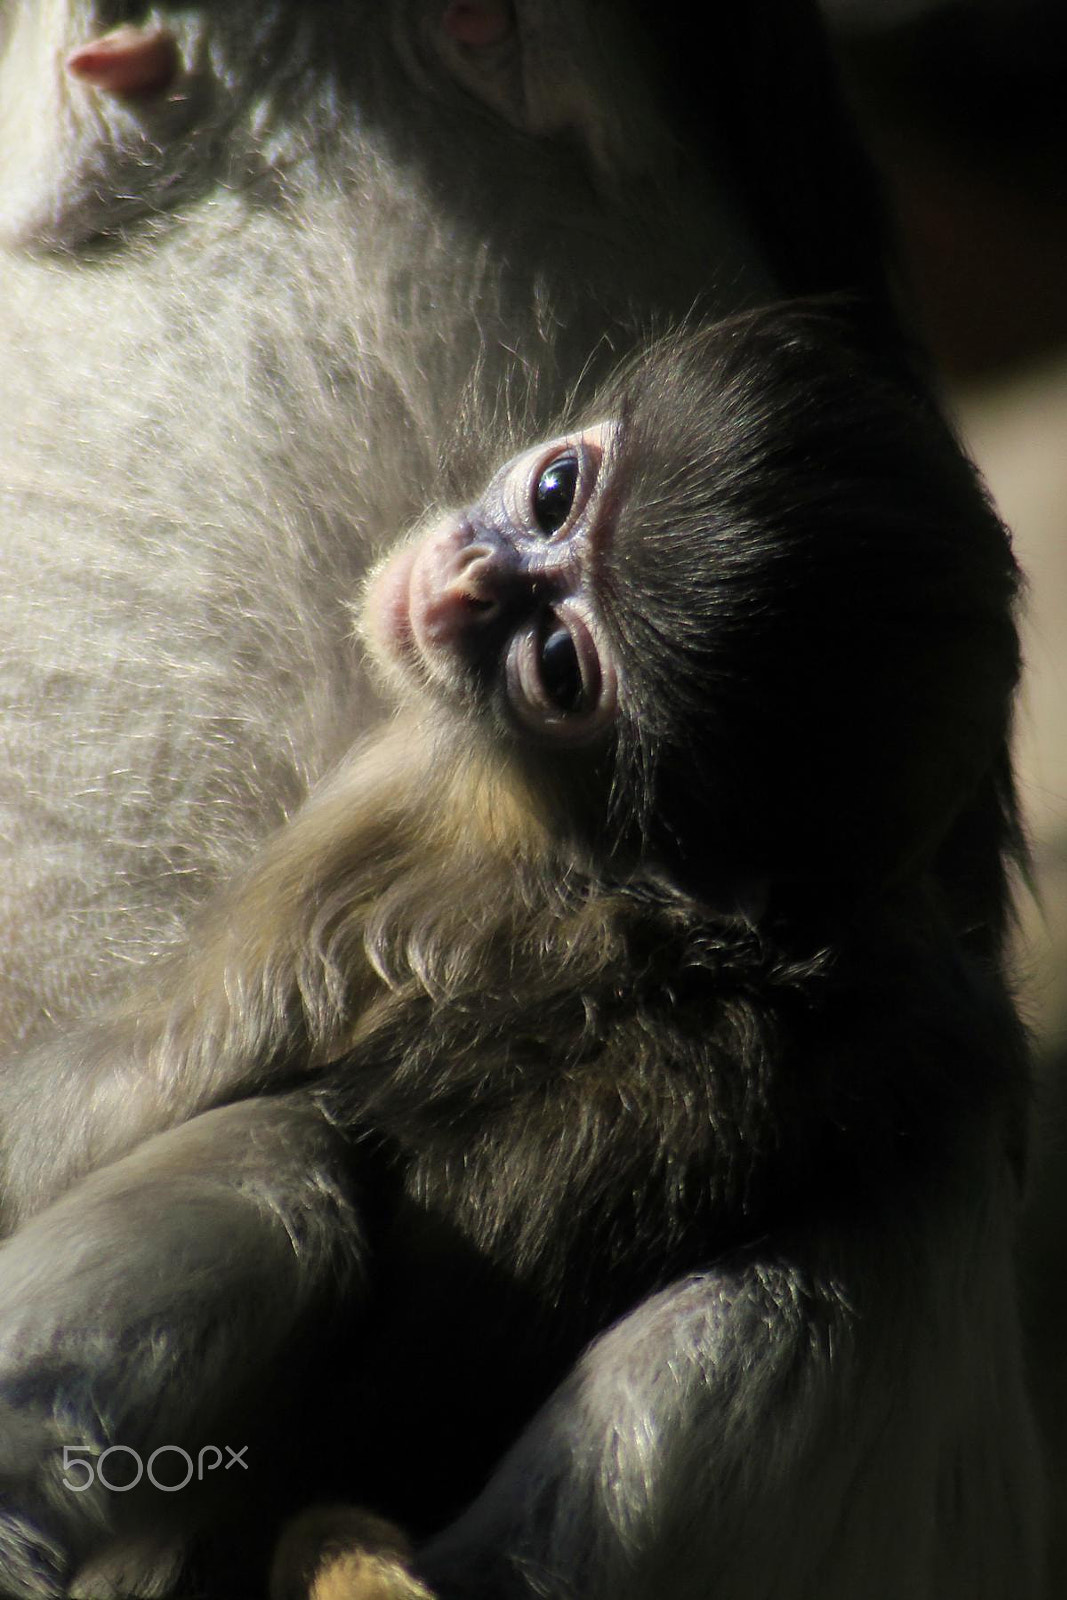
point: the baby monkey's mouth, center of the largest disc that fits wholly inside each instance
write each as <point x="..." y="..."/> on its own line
<point x="385" y="619"/>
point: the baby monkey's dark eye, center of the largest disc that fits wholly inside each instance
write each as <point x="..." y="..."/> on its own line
<point x="553" y="494"/>
<point x="561" y="674"/>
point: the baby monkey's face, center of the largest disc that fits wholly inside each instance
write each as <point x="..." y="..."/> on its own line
<point x="499" y="604"/>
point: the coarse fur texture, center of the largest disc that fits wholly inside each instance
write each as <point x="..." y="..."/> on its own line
<point x="489" y="1049"/>
<point x="253" y="326"/>
<point x="249" y="330"/>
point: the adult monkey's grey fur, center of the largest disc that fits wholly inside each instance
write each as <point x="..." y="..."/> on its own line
<point x="238" y="333"/>
<point x="204" y="428"/>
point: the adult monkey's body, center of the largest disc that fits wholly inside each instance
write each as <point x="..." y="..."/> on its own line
<point x="353" y="241"/>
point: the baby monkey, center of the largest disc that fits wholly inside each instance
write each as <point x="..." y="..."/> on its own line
<point x="645" y="966"/>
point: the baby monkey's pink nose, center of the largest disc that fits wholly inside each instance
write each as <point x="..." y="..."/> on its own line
<point x="464" y="593"/>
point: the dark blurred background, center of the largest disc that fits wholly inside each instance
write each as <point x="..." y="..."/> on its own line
<point x="964" y="105"/>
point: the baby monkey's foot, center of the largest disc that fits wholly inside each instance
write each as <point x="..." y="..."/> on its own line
<point x="341" y="1553"/>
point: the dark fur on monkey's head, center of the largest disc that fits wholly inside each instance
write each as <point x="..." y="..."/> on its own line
<point x="751" y="627"/>
<point x="812" y="605"/>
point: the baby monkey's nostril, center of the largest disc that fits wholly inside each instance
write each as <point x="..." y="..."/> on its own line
<point x="475" y="608"/>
